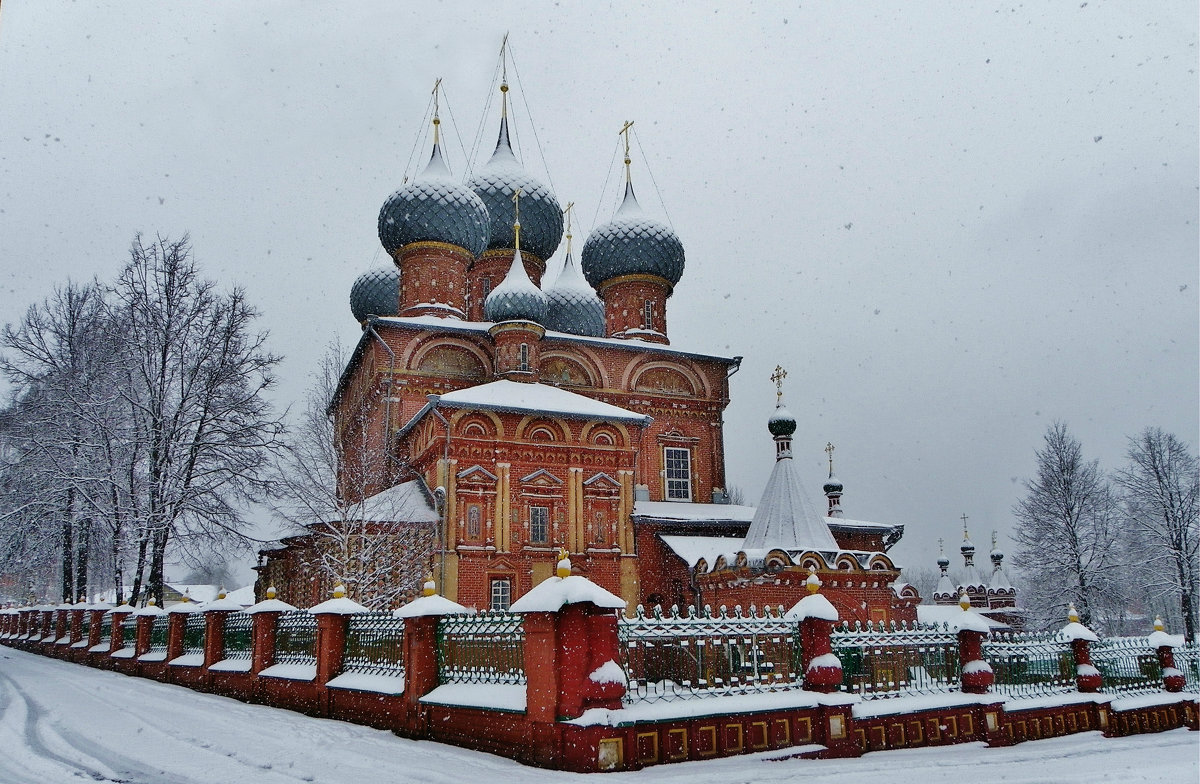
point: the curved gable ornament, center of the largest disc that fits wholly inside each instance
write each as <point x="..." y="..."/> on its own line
<point x="663" y="380"/>
<point x="449" y="360"/>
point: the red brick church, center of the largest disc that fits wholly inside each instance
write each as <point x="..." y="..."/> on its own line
<point x="529" y="416"/>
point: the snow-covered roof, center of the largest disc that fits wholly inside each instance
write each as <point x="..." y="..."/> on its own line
<point x="1077" y="631"/>
<point x="842" y="522"/>
<point x="692" y="548"/>
<point x="684" y="512"/>
<point x="505" y="395"/>
<point x="813" y="606"/>
<point x="269" y="605"/>
<point x="785" y="517"/>
<point x="554" y="593"/>
<point x="339" y="605"/>
<point x="405" y="502"/>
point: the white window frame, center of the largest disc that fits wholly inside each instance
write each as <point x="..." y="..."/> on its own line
<point x="677" y="473"/>
<point x="501" y="593"/>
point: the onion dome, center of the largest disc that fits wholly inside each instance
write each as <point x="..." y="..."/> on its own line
<point x="943" y="562"/>
<point x="832" y="485"/>
<point x="541" y="217"/>
<point x="572" y="305"/>
<point x="434" y="208"/>
<point x="632" y="244"/>
<point x="781" y="423"/>
<point x="516" y="298"/>
<point x="376" y="293"/>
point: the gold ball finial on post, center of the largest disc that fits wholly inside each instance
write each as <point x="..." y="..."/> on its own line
<point x="271" y="592"/>
<point x="429" y="588"/>
<point x="1072" y="613"/>
<point x="964" y="601"/>
<point x="813" y="583"/>
<point x="1158" y="624"/>
<point x="339" y="592"/>
<point x="564" y="563"/>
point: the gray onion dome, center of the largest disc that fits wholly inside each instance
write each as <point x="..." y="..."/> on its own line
<point x="943" y="562"/>
<point x="376" y="292"/>
<point x="516" y="298"/>
<point x="632" y="244"/>
<point x="434" y="208"/>
<point x="781" y="423"/>
<point x="541" y="217"/>
<point x="572" y="305"/>
<point x="833" y="485"/>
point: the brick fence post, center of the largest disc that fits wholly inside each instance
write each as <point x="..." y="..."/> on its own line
<point x="1087" y="677"/>
<point x="1164" y="645"/>
<point x="177" y="627"/>
<point x="76" y="623"/>
<point x="145" y="623"/>
<point x="421" y="617"/>
<point x="214" y="628"/>
<point x="822" y="670"/>
<point x="62" y="623"/>
<point x="266" y="619"/>
<point x="977" y="676"/>
<point x="117" y="638"/>
<point x="96" y="626"/>
<point x="331" y="638"/>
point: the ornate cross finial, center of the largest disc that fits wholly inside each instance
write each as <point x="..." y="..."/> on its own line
<point x="778" y="376"/>
<point x="829" y="451"/>
<point x="941" y="544"/>
<point x="964" y="519"/>
<point x="504" y="77"/>
<point x="994" y="534"/>
<point x="625" y="132"/>
<point x="516" y="200"/>
<point x="567" y="213"/>
<point x="437" y="87"/>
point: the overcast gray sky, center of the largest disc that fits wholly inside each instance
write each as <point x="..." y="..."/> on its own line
<point x="951" y="222"/>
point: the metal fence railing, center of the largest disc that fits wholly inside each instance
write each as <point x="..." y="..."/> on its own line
<point x="1128" y="665"/>
<point x="671" y="656"/>
<point x="880" y="662"/>
<point x="105" y="630"/>
<point x="374" y="644"/>
<point x="193" y="633"/>
<point x="158" y="634"/>
<point x="238" y="638"/>
<point x="488" y="647"/>
<point x="85" y="628"/>
<point x="1030" y="664"/>
<point x="1187" y="661"/>
<point x="296" y="638"/>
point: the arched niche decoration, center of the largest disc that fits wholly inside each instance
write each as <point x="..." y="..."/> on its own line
<point x="446" y="358"/>
<point x="538" y="428"/>
<point x="846" y="563"/>
<point x="701" y="566"/>
<point x="477" y="424"/>
<point x="676" y="377"/>
<point x="568" y="370"/>
<point x="776" y="561"/>
<point x="616" y="431"/>
<point x="810" y="560"/>
<point x="881" y="562"/>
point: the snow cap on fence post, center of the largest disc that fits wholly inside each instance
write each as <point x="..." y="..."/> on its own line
<point x="570" y="622"/>
<point x="822" y="668"/>
<point x="977" y="675"/>
<point x="117" y="637"/>
<point x="331" y="633"/>
<point x="1087" y="677"/>
<point x="1165" y="644"/>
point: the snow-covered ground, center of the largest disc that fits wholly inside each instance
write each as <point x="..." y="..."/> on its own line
<point x="61" y="722"/>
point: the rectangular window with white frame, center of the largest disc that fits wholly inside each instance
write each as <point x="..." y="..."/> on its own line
<point x="539" y="524"/>
<point x="678" y="473"/>
<point x="501" y="593"/>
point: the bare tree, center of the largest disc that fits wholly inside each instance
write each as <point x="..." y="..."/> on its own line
<point x="1067" y="533"/>
<point x="195" y="377"/>
<point x="358" y="538"/>
<point x="1160" y="486"/>
<point x="922" y="578"/>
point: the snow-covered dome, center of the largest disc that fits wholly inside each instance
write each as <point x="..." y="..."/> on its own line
<point x="943" y="562"/>
<point x="781" y="423"/>
<point x="832" y="485"/>
<point x="434" y="208"/>
<point x="632" y="244"/>
<point x="516" y="298"/>
<point x="541" y="216"/>
<point x="376" y="292"/>
<point x="572" y="305"/>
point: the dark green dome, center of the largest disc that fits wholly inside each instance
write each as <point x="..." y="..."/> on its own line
<point x="434" y="208"/>
<point x="781" y="423"/>
<point x="376" y="293"/>
<point x="632" y="244"/>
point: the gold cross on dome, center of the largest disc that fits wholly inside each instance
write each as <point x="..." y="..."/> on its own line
<point x="829" y="451"/>
<point x="625" y="132"/>
<point x="964" y="519"/>
<point x="516" y="200"/>
<point x="567" y="212"/>
<point x="778" y="376"/>
<point x="941" y="544"/>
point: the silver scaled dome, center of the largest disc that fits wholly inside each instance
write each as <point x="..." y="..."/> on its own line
<point x="516" y="298"/>
<point x="632" y="244"/>
<point x="541" y="217"/>
<point x="572" y="305"/>
<point x="434" y="208"/>
<point x="376" y="293"/>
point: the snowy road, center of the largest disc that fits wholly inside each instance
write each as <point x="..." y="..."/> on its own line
<point x="64" y="723"/>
